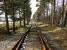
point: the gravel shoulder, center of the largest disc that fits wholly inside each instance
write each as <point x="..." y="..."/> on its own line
<point x="8" y="41"/>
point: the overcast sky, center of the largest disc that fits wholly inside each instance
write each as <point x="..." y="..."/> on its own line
<point x="33" y="6"/>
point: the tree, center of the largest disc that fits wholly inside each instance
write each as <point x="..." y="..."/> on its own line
<point x="6" y="15"/>
<point x="11" y="6"/>
<point x="25" y="9"/>
<point x="62" y="16"/>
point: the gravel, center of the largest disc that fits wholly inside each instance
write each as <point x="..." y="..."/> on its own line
<point x="9" y="41"/>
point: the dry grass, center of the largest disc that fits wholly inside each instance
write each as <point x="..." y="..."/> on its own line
<point x="61" y="37"/>
<point x="59" y="34"/>
<point x="46" y="27"/>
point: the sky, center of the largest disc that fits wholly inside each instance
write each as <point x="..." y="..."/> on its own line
<point x="33" y="7"/>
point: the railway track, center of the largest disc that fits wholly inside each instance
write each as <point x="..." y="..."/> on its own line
<point x="32" y="40"/>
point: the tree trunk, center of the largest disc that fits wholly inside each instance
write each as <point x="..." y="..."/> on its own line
<point x="13" y="24"/>
<point x="28" y="21"/>
<point x="6" y="17"/>
<point x="7" y="23"/>
<point x="53" y="15"/>
<point x="54" y="11"/>
<point x="13" y="17"/>
<point x="24" y="17"/>
<point x="62" y="16"/>
<point x="47" y="14"/>
<point x="20" y="18"/>
<point x="65" y="19"/>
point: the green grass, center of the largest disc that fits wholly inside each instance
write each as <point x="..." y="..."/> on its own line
<point x="3" y="32"/>
<point x="3" y="27"/>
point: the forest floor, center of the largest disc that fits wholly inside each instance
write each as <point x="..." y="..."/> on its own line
<point x="7" y="41"/>
<point x="59" y="34"/>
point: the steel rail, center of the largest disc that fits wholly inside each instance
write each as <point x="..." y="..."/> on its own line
<point x="45" y="45"/>
<point x="21" y="40"/>
<point x="42" y="40"/>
